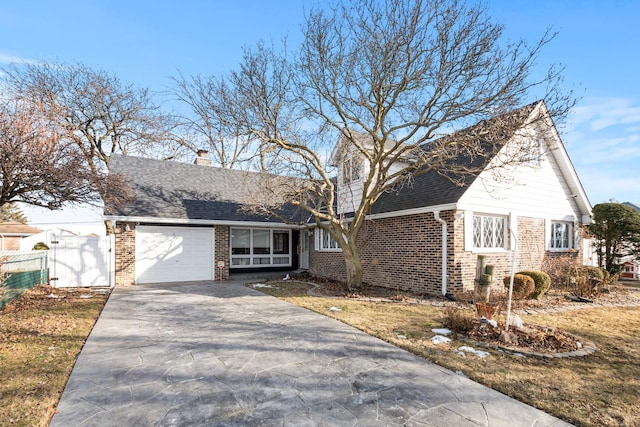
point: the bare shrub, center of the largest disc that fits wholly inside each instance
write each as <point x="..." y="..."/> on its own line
<point x="562" y="269"/>
<point x="3" y="283"/>
<point x="568" y="274"/>
<point x="458" y="320"/>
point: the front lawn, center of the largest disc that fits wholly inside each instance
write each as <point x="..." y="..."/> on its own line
<point x="596" y="390"/>
<point x="41" y="334"/>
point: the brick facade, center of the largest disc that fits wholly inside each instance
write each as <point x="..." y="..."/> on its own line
<point x="222" y="251"/>
<point x="405" y="253"/>
<point x="531" y="253"/>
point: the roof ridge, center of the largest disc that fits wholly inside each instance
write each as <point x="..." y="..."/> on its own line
<point x="186" y="164"/>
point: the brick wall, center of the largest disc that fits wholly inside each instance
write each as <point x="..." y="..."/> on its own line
<point x="402" y="253"/>
<point x="222" y="251"/>
<point x="531" y="253"/>
<point x="125" y="253"/>
<point x="405" y="253"/>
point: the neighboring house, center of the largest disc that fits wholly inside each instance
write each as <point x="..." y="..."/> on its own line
<point x="11" y="234"/>
<point x="186" y="220"/>
<point x="630" y="270"/>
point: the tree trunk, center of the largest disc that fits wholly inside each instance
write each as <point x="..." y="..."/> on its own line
<point x="353" y="268"/>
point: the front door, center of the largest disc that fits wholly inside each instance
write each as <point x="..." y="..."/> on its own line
<point x="304" y="249"/>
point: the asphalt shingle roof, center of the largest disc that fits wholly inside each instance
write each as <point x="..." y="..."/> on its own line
<point x="168" y="189"/>
<point x="18" y="228"/>
<point x="433" y="188"/>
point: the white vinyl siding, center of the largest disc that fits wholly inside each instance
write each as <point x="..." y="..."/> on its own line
<point x="535" y="192"/>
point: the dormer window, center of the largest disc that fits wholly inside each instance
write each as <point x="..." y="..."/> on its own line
<point x="352" y="168"/>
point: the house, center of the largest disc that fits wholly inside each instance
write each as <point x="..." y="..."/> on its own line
<point x="630" y="270"/>
<point x="427" y="236"/>
<point x="190" y="222"/>
<point x="12" y="233"/>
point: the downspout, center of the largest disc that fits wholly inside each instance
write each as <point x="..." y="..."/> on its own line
<point x="112" y="255"/>
<point x="436" y="215"/>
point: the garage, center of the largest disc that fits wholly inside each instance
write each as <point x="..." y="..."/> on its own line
<point x="174" y="254"/>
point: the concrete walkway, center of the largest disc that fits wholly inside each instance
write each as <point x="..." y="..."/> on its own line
<point x="218" y="353"/>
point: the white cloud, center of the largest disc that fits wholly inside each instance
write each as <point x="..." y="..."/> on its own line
<point x="601" y="113"/>
<point x="604" y="185"/>
<point x="8" y="58"/>
<point x="603" y="141"/>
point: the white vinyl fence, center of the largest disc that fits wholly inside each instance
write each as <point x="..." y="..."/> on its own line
<point x="81" y="261"/>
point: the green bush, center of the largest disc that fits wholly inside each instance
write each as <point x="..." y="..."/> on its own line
<point x="523" y="285"/>
<point x="40" y="246"/>
<point x="593" y="272"/>
<point x="541" y="280"/>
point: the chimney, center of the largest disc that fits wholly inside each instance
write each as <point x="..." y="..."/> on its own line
<point x="202" y="159"/>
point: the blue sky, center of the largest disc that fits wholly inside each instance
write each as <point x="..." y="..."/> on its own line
<point x="147" y="42"/>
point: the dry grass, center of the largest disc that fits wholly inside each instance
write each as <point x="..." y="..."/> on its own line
<point x="40" y="338"/>
<point x="597" y="390"/>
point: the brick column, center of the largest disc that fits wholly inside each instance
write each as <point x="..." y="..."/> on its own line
<point x="222" y="251"/>
<point x="125" y="253"/>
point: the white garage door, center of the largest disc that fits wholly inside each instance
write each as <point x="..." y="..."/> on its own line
<point x="173" y="254"/>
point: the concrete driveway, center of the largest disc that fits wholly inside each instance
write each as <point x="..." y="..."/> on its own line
<point x="218" y="353"/>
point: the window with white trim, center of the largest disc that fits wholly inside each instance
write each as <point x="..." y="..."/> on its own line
<point x="260" y="247"/>
<point x="325" y="242"/>
<point x="561" y="235"/>
<point x="489" y="232"/>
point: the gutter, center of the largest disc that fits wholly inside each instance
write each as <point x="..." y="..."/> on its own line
<point x="436" y="215"/>
<point x="183" y="221"/>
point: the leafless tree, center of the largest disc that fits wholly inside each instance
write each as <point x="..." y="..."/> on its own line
<point x="214" y="122"/>
<point x="37" y="167"/>
<point x="388" y="79"/>
<point x="94" y="110"/>
<point x="209" y="125"/>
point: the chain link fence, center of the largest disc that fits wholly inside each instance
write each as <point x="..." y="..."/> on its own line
<point x="20" y="271"/>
